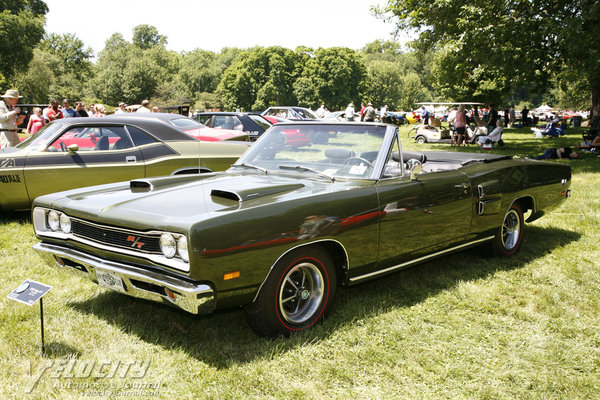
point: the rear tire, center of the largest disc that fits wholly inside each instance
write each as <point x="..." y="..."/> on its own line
<point x="507" y="241"/>
<point x="298" y="293"/>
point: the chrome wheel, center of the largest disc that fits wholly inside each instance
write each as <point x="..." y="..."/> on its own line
<point x="511" y="230"/>
<point x="301" y="293"/>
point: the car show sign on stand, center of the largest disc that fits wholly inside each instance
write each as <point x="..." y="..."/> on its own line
<point x="29" y="292"/>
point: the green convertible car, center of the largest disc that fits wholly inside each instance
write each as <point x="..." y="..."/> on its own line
<point x="286" y="225"/>
<point x="76" y="152"/>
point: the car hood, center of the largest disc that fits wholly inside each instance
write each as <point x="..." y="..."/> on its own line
<point x="179" y="201"/>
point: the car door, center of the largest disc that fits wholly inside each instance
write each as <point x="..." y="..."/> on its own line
<point x="83" y="156"/>
<point x="422" y="215"/>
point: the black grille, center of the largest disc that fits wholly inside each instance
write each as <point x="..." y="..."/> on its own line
<point x="117" y="238"/>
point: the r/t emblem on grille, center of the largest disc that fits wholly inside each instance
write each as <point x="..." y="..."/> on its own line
<point x="135" y="240"/>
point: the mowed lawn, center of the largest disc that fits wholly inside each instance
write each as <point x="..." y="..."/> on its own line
<point x="464" y="326"/>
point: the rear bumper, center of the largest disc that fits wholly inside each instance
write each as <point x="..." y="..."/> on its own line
<point x="137" y="282"/>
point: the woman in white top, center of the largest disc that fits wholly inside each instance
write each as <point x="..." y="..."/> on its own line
<point x="493" y="136"/>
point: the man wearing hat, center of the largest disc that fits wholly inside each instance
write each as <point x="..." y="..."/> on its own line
<point x="369" y="113"/>
<point x="9" y="119"/>
<point x="121" y="109"/>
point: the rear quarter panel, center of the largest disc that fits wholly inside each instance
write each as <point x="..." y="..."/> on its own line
<point x="499" y="184"/>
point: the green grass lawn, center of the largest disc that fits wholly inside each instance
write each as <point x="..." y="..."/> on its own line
<point x="462" y="327"/>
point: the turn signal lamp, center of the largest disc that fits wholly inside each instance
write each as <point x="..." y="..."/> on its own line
<point x="231" y="275"/>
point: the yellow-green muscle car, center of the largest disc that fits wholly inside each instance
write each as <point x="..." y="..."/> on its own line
<point x="76" y="152"/>
<point x="287" y="224"/>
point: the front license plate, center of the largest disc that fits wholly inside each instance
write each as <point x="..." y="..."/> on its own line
<point x="110" y="280"/>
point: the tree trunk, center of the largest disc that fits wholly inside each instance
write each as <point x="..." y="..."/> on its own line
<point x="595" y="110"/>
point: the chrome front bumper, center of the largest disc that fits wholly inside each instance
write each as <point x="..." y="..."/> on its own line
<point x="137" y="282"/>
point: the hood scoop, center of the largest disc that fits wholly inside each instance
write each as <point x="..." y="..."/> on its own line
<point x="152" y="184"/>
<point x="253" y="193"/>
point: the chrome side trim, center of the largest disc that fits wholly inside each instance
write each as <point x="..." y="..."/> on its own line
<point x="191" y="297"/>
<point x="420" y="259"/>
<point x="294" y="248"/>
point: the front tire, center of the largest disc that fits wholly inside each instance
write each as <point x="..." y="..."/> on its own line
<point x="507" y="241"/>
<point x="421" y="139"/>
<point x="297" y="294"/>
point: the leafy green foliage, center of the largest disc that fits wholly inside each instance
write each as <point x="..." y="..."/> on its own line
<point x="21" y="29"/>
<point x="488" y="49"/>
<point x="259" y="78"/>
<point x="131" y="72"/>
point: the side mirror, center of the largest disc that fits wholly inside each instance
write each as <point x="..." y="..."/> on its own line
<point x="73" y="148"/>
<point x="414" y="167"/>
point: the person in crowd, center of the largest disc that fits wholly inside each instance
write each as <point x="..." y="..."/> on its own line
<point x="321" y="111"/>
<point x="369" y="115"/>
<point x="36" y="121"/>
<point x="145" y="108"/>
<point x="122" y="109"/>
<point x="80" y="108"/>
<point x="425" y="115"/>
<point x="100" y="111"/>
<point x="506" y="117"/>
<point x="552" y="129"/>
<point x="525" y="116"/>
<point x="362" y="111"/>
<point x="494" y="135"/>
<point x="54" y="112"/>
<point x="10" y="117"/>
<point x="593" y="144"/>
<point x="67" y="111"/>
<point x="492" y="118"/>
<point x="452" y="116"/>
<point x="349" y="113"/>
<point x="91" y="110"/>
<point x="511" y="115"/>
<point x="563" y="152"/>
<point x="383" y="114"/>
<point x="460" y="124"/>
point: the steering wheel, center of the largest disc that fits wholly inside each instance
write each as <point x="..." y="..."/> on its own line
<point x="63" y="146"/>
<point x="352" y="160"/>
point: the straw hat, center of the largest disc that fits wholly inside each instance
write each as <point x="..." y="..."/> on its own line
<point x="11" y="93"/>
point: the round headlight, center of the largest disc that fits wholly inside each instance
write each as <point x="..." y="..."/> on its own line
<point x="182" y="248"/>
<point x="168" y="245"/>
<point x="53" y="220"/>
<point x="65" y="223"/>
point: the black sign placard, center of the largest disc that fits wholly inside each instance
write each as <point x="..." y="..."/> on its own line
<point x="29" y="292"/>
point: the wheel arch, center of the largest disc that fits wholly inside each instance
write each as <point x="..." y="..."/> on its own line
<point x="337" y="252"/>
<point x="525" y="203"/>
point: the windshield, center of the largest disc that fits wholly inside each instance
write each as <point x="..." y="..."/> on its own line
<point x="186" y="124"/>
<point x="331" y="150"/>
<point x="41" y="138"/>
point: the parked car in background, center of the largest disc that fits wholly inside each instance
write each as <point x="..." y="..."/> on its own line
<point x="291" y="113"/>
<point x="75" y="152"/>
<point x="194" y="128"/>
<point x="285" y="226"/>
<point x="252" y="124"/>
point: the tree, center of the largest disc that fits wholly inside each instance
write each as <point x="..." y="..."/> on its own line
<point x="488" y="49"/>
<point x="72" y="55"/>
<point x="384" y="83"/>
<point x="147" y="36"/>
<point x="132" y="72"/>
<point x="36" y="82"/>
<point x="338" y="74"/>
<point x="259" y="78"/>
<point x="21" y="29"/>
